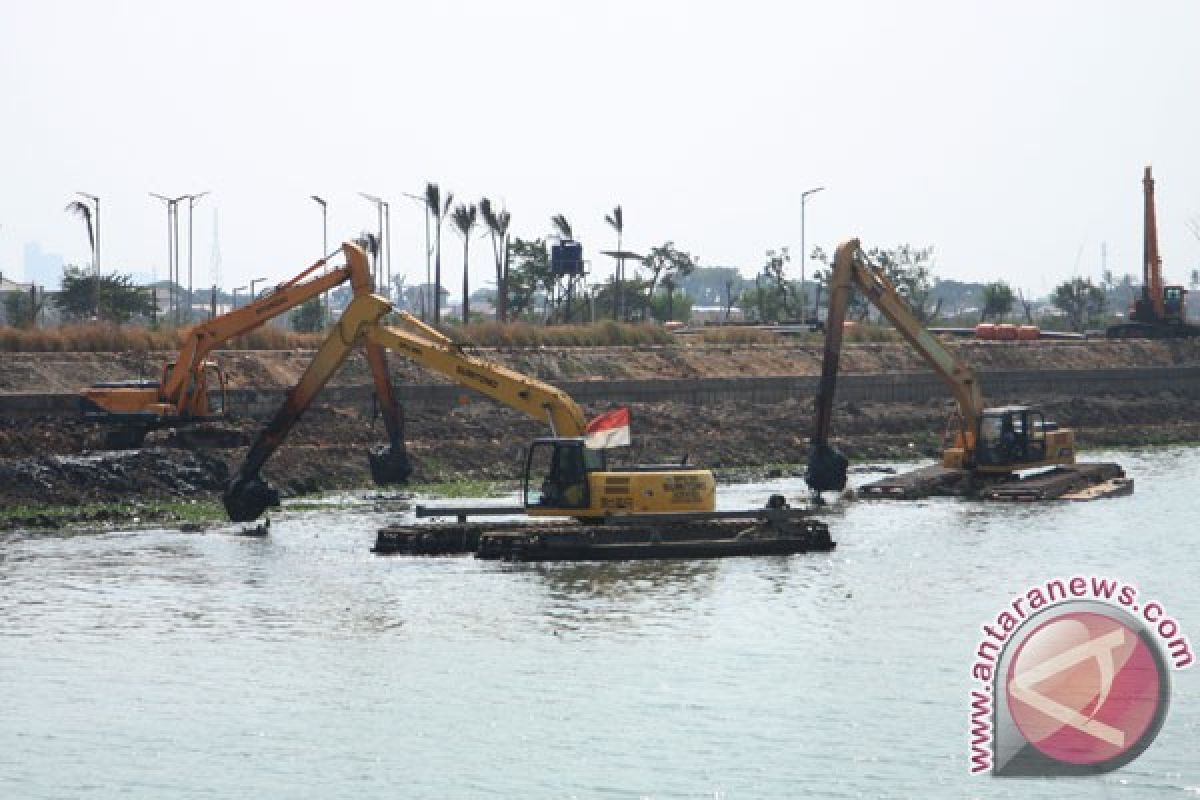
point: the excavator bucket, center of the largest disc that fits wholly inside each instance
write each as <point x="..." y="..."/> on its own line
<point x="246" y="498"/>
<point x="389" y="464"/>
<point x="827" y="468"/>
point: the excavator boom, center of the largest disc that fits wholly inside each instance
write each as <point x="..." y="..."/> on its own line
<point x="182" y="392"/>
<point x="827" y="467"/>
<point x="1152" y="283"/>
<point x="248" y="495"/>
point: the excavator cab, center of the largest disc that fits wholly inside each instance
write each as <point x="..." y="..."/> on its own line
<point x="1173" y="309"/>
<point x="565" y="478"/>
<point x="556" y="474"/>
<point x="200" y="401"/>
<point x="1018" y="437"/>
<point x="1010" y="436"/>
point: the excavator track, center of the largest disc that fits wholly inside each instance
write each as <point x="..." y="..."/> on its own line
<point x="571" y="541"/>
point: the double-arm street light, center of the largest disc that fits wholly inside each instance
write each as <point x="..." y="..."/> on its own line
<point x="804" y="253"/>
<point x="253" y="296"/>
<point x="172" y="248"/>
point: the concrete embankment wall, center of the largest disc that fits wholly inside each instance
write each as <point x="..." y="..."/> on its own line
<point x="1000" y="386"/>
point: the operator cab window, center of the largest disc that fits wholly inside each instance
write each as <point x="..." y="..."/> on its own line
<point x="557" y="475"/>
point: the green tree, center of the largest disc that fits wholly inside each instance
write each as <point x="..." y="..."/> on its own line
<point x="464" y="221"/>
<point x="997" y="301"/>
<point x="1080" y="299"/>
<point x="529" y="273"/>
<point x="120" y="300"/>
<point x="308" y="318"/>
<point x="21" y="308"/>
<point x="773" y="274"/>
<point x="633" y="292"/>
<point x="669" y="303"/>
<point x="910" y="271"/>
<point x="666" y="262"/>
<point x="497" y="224"/>
<point x="440" y="208"/>
<point x="857" y="306"/>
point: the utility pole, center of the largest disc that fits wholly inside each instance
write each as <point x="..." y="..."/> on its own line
<point x="804" y="254"/>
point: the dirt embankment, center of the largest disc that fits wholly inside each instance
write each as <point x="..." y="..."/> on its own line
<point x="52" y="460"/>
<point x="67" y="372"/>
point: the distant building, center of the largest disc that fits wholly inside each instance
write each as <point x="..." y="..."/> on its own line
<point x="715" y="315"/>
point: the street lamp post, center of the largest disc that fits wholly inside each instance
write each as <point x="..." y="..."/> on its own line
<point x="324" y="249"/>
<point x="428" y="252"/>
<point x="324" y="225"/>
<point x="172" y="248"/>
<point x="252" y="294"/>
<point x="804" y="253"/>
<point x="192" y="200"/>
<point x="237" y="289"/>
<point x="379" y="206"/>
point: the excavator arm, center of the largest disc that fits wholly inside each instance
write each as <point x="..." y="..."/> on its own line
<point x="826" y="466"/>
<point x="248" y="495"/>
<point x="181" y="380"/>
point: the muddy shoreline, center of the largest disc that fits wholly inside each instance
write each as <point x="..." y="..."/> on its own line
<point x="52" y="463"/>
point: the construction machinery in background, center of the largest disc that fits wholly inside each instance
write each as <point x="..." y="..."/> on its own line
<point x="1158" y="311"/>
<point x="191" y="388"/>
<point x="609" y="510"/>
<point x="985" y="445"/>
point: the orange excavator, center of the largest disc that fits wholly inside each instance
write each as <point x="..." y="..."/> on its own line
<point x="1160" y="312"/>
<point x="191" y="388"/>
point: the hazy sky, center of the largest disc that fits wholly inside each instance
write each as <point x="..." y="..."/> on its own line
<point x="1010" y="136"/>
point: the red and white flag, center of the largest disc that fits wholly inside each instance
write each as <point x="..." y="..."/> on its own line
<point x="610" y="429"/>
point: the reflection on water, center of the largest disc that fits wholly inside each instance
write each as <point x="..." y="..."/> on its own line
<point x="165" y="665"/>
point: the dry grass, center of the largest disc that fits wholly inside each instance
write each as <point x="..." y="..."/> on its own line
<point x="524" y="334"/>
<point x="735" y="334"/>
<point x="92" y="338"/>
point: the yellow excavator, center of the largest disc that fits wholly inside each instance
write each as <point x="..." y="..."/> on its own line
<point x="984" y="441"/>
<point x="191" y="388"/>
<point x="563" y="476"/>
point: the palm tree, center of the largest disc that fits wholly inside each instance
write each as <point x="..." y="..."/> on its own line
<point x="440" y="208"/>
<point x="617" y="220"/>
<point x="84" y="212"/>
<point x="498" y="228"/>
<point x="464" y="221"/>
<point x="562" y="226"/>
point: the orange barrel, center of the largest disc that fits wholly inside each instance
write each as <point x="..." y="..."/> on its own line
<point x="985" y="330"/>
<point x="1006" y="331"/>
<point x="1028" y="333"/>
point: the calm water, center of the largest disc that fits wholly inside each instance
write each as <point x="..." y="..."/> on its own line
<point x="166" y="665"/>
